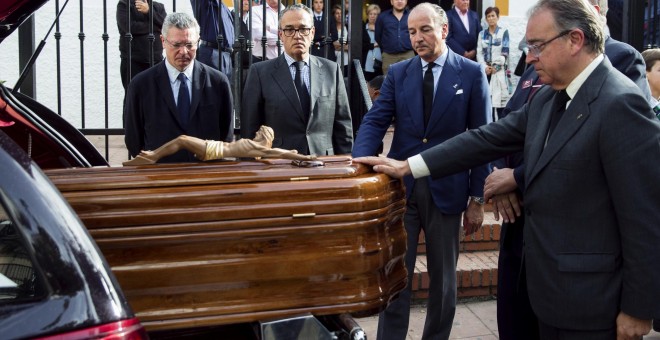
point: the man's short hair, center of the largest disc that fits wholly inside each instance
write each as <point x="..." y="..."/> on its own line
<point x="300" y="7"/>
<point x="437" y="14"/>
<point x="377" y="82"/>
<point x="181" y="21"/>
<point x="576" y="14"/>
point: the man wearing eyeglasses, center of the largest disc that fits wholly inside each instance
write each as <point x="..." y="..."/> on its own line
<point x="591" y="209"/>
<point x="178" y="96"/>
<point x="514" y="314"/>
<point x="301" y="96"/>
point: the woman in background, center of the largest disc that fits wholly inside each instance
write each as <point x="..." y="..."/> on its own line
<point x="341" y="45"/>
<point x="373" y="63"/>
<point x="493" y="54"/>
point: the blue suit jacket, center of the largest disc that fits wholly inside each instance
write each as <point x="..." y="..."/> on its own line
<point x="461" y="102"/>
<point x="458" y="39"/>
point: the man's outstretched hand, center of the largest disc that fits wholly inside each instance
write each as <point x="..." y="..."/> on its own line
<point x="388" y="166"/>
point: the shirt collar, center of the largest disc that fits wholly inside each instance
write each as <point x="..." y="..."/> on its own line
<point x="461" y="13"/>
<point x="290" y="60"/>
<point x="274" y="9"/>
<point x="575" y="85"/>
<point x="173" y="73"/>
<point x="440" y="61"/>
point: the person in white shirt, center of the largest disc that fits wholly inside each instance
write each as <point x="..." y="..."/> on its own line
<point x="269" y="31"/>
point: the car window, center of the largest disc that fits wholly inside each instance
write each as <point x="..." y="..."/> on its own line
<point x="18" y="279"/>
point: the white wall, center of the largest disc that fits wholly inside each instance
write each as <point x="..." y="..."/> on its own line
<point x="93" y="50"/>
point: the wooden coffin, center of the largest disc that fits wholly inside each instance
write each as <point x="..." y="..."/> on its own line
<point x="231" y="242"/>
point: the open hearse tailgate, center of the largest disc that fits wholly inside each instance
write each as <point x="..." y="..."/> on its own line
<point x="228" y="242"/>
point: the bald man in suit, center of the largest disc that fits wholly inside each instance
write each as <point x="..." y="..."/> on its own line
<point x="458" y="99"/>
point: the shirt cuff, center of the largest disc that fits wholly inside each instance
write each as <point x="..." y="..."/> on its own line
<point x="418" y="167"/>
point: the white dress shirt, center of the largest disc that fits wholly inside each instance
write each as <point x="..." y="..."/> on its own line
<point x="272" y="28"/>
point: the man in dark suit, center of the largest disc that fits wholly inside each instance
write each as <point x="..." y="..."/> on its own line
<point x="178" y="96"/>
<point x="591" y="216"/>
<point x="323" y="30"/>
<point x="514" y="315"/>
<point x="459" y="100"/>
<point x="464" y="28"/>
<point x="312" y="116"/>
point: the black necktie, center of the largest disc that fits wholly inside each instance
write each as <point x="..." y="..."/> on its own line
<point x="558" y="108"/>
<point x="428" y="92"/>
<point x="183" y="100"/>
<point x="303" y="94"/>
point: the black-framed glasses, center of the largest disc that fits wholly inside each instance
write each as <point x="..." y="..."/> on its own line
<point x="189" y="46"/>
<point x="290" y="32"/>
<point x="536" y="49"/>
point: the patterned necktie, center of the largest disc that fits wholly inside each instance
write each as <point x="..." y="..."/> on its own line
<point x="183" y="100"/>
<point x="303" y="94"/>
<point x="428" y="92"/>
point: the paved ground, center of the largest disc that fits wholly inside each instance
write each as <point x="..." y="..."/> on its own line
<point x="475" y="320"/>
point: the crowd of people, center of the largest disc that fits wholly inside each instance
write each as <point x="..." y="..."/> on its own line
<point x="566" y="157"/>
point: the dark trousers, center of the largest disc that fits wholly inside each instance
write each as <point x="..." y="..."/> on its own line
<point x="515" y="318"/>
<point x="221" y="62"/>
<point x="442" y="246"/>
<point x="136" y="67"/>
<point x="552" y="333"/>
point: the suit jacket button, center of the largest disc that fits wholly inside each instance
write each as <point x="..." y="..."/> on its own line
<point x="425" y="140"/>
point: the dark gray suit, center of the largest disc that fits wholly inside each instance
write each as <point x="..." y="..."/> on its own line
<point x="270" y="98"/>
<point x="592" y="202"/>
<point x="151" y="118"/>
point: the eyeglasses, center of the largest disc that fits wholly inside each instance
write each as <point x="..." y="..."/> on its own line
<point x="536" y="49"/>
<point x="290" y="32"/>
<point x="188" y="46"/>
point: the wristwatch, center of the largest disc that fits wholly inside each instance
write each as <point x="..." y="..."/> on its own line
<point x="478" y="200"/>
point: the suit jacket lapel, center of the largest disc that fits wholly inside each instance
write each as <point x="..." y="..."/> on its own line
<point x="165" y="88"/>
<point x="448" y="85"/>
<point x="473" y="19"/>
<point x="571" y="121"/>
<point x="282" y="77"/>
<point x="537" y="128"/>
<point x="197" y="84"/>
<point x="316" y="78"/>
<point x="412" y="86"/>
